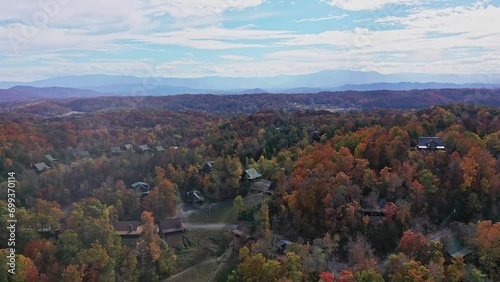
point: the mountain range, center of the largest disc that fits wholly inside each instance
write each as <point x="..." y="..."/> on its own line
<point x="336" y="80"/>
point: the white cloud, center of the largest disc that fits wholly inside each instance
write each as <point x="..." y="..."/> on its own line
<point x="360" y="5"/>
<point x="199" y="8"/>
<point x="237" y="58"/>
<point x="337" y="17"/>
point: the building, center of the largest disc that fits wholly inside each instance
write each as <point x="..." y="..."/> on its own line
<point x="129" y="231"/>
<point x="141" y="188"/>
<point x="129" y="147"/>
<point x="265" y="186"/>
<point x="430" y="143"/>
<point x="195" y="197"/>
<point x="40" y="167"/>
<point x="144" y="148"/>
<point x="159" y="148"/>
<point x="244" y="232"/>
<point x="251" y="174"/>
<point x="83" y="153"/>
<point x="315" y="136"/>
<point x="50" y="158"/>
<point x="207" y="167"/>
<point x="172" y="231"/>
<point x="116" y="150"/>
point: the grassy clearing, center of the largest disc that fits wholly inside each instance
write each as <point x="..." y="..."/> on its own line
<point x="220" y="214"/>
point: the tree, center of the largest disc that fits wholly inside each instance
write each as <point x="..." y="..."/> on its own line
<point x="413" y="244"/>
<point x="238" y="204"/>
<point x="369" y="275"/>
<point x="73" y="273"/>
<point x="487" y="240"/>
<point x="294" y="266"/>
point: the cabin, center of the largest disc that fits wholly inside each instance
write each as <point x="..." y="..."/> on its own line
<point x="315" y="136"/>
<point x="48" y="233"/>
<point x="144" y="148"/>
<point x="50" y="158"/>
<point x="129" y="231"/>
<point x="251" y="174"/>
<point x="195" y="197"/>
<point x="141" y="188"/>
<point x="172" y="231"/>
<point x="116" y="150"/>
<point x="244" y="232"/>
<point x="430" y="143"/>
<point x="159" y="148"/>
<point x="264" y="186"/>
<point x="40" y="167"/>
<point x="129" y="147"/>
<point x="207" y="167"/>
<point x="281" y="246"/>
<point x="455" y="249"/>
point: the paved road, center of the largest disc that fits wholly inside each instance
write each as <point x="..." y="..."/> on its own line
<point x="210" y="226"/>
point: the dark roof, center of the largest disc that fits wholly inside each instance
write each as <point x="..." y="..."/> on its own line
<point x="454" y="248"/>
<point x="50" y="158"/>
<point x="128" y="227"/>
<point x="252" y="174"/>
<point x="264" y="185"/>
<point x="144" y="147"/>
<point x="41" y="166"/>
<point x="116" y="150"/>
<point x="141" y="187"/>
<point x="282" y="243"/>
<point x="208" y="166"/>
<point x="195" y="195"/>
<point x="159" y="148"/>
<point x="171" y="225"/>
<point x="430" y="143"/>
<point x="244" y="229"/>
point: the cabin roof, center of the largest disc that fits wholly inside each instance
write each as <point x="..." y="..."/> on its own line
<point x="50" y="158"/>
<point x="171" y="225"/>
<point x="159" y="148"/>
<point x="426" y="142"/>
<point x="264" y="185"/>
<point x="41" y="166"/>
<point x="116" y="150"/>
<point x="124" y="227"/>
<point x="252" y="174"/>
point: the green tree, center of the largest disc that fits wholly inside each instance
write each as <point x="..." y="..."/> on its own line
<point x="238" y="204"/>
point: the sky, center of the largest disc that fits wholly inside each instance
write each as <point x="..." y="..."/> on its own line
<point x="246" y="38"/>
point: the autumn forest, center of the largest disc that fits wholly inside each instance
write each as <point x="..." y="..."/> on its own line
<point x="354" y="198"/>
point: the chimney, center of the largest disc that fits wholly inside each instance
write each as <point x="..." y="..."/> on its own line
<point x="130" y="228"/>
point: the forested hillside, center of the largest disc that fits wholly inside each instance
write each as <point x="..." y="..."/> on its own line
<point x="251" y="103"/>
<point x="355" y="199"/>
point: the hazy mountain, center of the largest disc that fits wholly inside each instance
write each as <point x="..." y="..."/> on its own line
<point x="411" y="86"/>
<point x="29" y="93"/>
<point x="324" y="79"/>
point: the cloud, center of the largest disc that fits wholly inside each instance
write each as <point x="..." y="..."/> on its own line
<point x="237" y="58"/>
<point x="360" y="5"/>
<point x="339" y="17"/>
<point x="199" y="8"/>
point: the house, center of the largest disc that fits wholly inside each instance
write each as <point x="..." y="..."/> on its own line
<point x="159" y="148"/>
<point x="48" y="233"/>
<point x="116" y="150"/>
<point x="172" y="231"/>
<point x="455" y="249"/>
<point x="129" y="231"/>
<point x="251" y="174"/>
<point x="50" y="158"/>
<point x="430" y="143"/>
<point x="264" y="186"/>
<point x="315" y="136"/>
<point x="281" y="246"/>
<point x="244" y="232"/>
<point x="144" y="148"/>
<point x="207" y="167"/>
<point x="129" y="147"/>
<point x="141" y="188"/>
<point x="195" y="197"/>
<point x="40" y="167"/>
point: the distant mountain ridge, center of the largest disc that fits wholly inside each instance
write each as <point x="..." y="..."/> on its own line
<point x="327" y="80"/>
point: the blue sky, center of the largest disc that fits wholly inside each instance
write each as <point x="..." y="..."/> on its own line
<point x="246" y="38"/>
